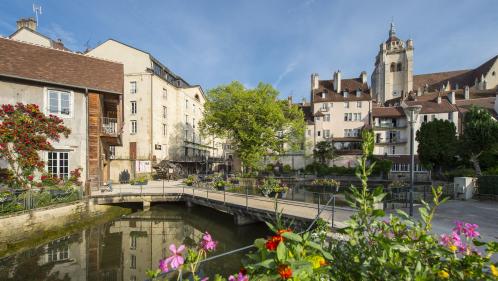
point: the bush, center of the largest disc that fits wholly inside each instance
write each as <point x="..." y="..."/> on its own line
<point x="493" y="171"/>
<point x="124" y="177"/>
<point x="323" y="170"/>
<point x="287" y="169"/>
<point x="459" y="172"/>
<point x="488" y="185"/>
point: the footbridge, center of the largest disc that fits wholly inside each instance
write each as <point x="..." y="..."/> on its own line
<point x="245" y="207"/>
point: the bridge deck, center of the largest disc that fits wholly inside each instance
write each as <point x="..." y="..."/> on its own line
<point x="176" y="191"/>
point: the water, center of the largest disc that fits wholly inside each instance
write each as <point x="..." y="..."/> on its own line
<point x="125" y="248"/>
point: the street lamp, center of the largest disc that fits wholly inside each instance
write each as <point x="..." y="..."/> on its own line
<point x="411" y="112"/>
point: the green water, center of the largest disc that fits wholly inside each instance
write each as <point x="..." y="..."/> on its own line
<point x="125" y="248"/>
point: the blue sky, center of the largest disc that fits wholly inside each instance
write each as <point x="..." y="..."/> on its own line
<point x="275" y="41"/>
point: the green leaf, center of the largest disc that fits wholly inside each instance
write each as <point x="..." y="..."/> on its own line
<point x="378" y="213"/>
<point x="281" y="252"/>
<point x="268" y="263"/>
<point x="292" y="236"/>
<point x="260" y="243"/>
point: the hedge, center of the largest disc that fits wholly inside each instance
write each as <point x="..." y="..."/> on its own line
<point x="488" y="185"/>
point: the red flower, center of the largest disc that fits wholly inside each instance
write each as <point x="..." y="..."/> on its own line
<point x="285" y="271"/>
<point x="243" y="271"/>
<point x="44" y="177"/>
<point x="30" y="178"/>
<point x="272" y="242"/>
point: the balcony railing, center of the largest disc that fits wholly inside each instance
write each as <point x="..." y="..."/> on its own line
<point x="110" y="126"/>
<point x="389" y="126"/>
<point x="391" y="141"/>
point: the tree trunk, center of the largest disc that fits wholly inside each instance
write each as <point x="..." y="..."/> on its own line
<point x="474" y="158"/>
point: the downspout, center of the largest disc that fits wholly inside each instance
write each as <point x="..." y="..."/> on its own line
<point x="86" y="139"/>
<point x="151" y="118"/>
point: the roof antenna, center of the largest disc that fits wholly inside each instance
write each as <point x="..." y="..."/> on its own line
<point x="37" y="9"/>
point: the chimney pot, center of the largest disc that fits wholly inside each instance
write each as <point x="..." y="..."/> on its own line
<point x="451" y="97"/>
<point x="337" y="81"/>
<point x="467" y="92"/>
<point x="26" y="22"/>
<point x="363" y="77"/>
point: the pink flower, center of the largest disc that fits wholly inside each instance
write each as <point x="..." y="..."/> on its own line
<point x="470" y="230"/>
<point x="208" y="243"/>
<point x="240" y="277"/>
<point x="459" y="227"/>
<point x="163" y="266"/>
<point x="450" y="240"/>
<point x="176" y="259"/>
<point x="205" y="279"/>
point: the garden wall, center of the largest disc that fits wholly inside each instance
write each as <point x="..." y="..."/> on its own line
<point x="38" y="224"/>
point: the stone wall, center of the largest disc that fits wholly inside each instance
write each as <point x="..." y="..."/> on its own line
<point x="36" y="225"/>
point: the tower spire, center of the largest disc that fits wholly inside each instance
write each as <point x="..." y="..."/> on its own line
<point x="392" y="30"/>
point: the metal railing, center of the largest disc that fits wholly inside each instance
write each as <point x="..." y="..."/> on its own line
<point x="391" y="140"/>
<point x="109" y="126"/>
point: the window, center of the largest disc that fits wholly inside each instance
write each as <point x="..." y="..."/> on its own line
<point x="58" y="250"/>
<point x="193" y="122"/>
<point x="112" y="152"/>
<point x="164" y="129"/>
<point x="133" y="242"/>
<point x="133" y="264"/>
<point x="348" y="116"/>
<point x="165" y="93"/>
<point x="393" y="67"/>
<point x="133" y="107"/>
<point x="165" y="112"/>
<point x="346" y="104"/>
<point x="324" y="106"/>
<point x="186" y="104"/>
<point x="186" y="119"/>
<point x="133" y="87"/>
<point x="346" y="94"/>
<point x="425" y="118"/>
<point x="193" y="108"/>
<point x="358" y="104"/>
<point x="58" y="164"/>
<point x="399" y="67"/>
<point x="326" y="117"/>
<point x="60" y="103"/>
<point x="393" y="149"/>
<point x="356" y="116"/>
<point x="134" y="128"/>
<point x="318" y="133"/>
<point x="309" y="132"/>
<point x="326" y="133"/>
<point x="450" y="116"/>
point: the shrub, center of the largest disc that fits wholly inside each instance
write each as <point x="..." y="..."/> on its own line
<point x="191" y="180"/>
<point x="459" y="172"/>
<point x="271" y="185"/>
<point x="488" y="185"/>
<point x="124" y="177"/>
<point x="287" y="169"/>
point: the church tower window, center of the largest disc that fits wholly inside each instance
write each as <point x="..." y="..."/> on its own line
<point x="393" y="67"/>
<point x="400" y="66"/>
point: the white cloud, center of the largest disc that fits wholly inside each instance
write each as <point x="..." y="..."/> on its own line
<point x="56" y="31"/>
<point x="290" y="67"/>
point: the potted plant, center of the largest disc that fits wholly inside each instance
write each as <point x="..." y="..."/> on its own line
<point x="327" y="184"/>
<point x="190" y="180"/>
<point x="140" y="180"/>
<point x="235" y="180"/>
<point x="221" y="184"/>
<point x="272" y="187"/>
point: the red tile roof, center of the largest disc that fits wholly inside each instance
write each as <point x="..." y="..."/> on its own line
<point x="347" y="85"/>
<point x="33" y="62"/>
<point x="392" y="111"/>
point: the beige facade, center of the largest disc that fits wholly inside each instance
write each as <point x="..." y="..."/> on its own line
<point x="162" y="112"/>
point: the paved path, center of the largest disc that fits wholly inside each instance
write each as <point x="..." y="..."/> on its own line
<point x="260" y="203"/>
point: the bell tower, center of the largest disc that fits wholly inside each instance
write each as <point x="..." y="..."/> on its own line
<point x="393" y="73"/>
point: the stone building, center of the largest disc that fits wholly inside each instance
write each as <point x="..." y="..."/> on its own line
<point x="85" y="92"/>
<point x="161" y="116"/>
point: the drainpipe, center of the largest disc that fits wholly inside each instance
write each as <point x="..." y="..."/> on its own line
<point x="151" y="119"/>
<point x="86" y="139"/>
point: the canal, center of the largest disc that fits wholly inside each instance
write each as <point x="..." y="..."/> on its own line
<point x="126" y="247"/>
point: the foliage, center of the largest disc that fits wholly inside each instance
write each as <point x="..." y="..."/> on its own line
<point x="437" y="144"/>
<point x="326" y="182"/>
<point x="397" y="184"/>
<point x="191" y="180"/>
<point x="480" y="134"/>
<point x="140" y="180"/>
<point x="459" y="172"/>
<point x="220" y="183"/>
<point x="271" y="185"/>
<point x="322" y="170"/>
<point x="254" y="120"/>
<point x="287" y="169"/>
<point x="488" y="185"/>
<point x="382" y="166"/>
<point x="24" y="132"/>
<point x="324" y="151"/>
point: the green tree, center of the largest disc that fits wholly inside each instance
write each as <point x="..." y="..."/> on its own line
<point x="253" y="120"/>
<point x="324" y="151"/>
<point x="437" y="144"/>
<point x="480" y="134"/>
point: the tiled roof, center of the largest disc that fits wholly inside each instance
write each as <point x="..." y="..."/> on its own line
<point x="430" y="105"/>
<point x="308" y="114"/>
<point x="391" y="111"/>
<point x="347" y="85"/>
<point x="32" y="62"/>
<point x="461" y="77"/>
<point x="487" y="103"/>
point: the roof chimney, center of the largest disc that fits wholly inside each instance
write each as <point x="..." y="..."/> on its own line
<point x="451" y="97"/>
<point x="27" y="22"/>
<point x="419" y="92"/>
<point x="363" y="77"/>
<point x="467" y="92"/>
<point x="337" y="81"/>
<point x="289" y="100"/>
<point x="58" y="44"/>
<point x="439" y="98"/>
<point x="314" y="81"/>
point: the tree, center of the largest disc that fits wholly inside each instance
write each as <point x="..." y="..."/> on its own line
<point x="480" y="134"/>
<point x="324" y="151"/>
<point x="437" y="144"/>
<point x="24" y="132"/>
<point x="253" y="120"/>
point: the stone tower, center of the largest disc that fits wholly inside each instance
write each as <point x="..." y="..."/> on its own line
<point x="393" y="73"/>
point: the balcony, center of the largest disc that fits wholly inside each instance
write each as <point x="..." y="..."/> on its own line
<point x="391" y="141"/>
<point x="109" y="126"/>
<point x="388" y="126"/>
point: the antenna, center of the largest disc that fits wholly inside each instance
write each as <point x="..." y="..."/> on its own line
<point x="37" y="9"/>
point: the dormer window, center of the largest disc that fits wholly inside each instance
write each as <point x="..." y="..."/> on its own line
<point x="345" y="94"/>
<point x="323" y="95"/>
<point x="358" y="93"/>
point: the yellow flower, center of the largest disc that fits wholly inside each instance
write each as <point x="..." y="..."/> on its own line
<point x="453" y="248"/>
<point x="494" y="270"/>
<point x="443" y="274"/>
<point x="317" y="261"/>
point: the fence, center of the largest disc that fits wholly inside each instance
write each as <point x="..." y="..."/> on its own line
<point x="23" y="200"/>
<point x="399" y="197"/>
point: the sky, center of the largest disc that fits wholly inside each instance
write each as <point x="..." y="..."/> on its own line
<point x="281" y="42"/>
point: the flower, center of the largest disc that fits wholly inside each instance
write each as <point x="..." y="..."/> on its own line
<point x="494" y="270"/>
<point x="163" y="266"/>
<point x="176" y="259"/>
<point x="443" y="274"/>
<point x="31" y="177"/>
<point x="470" y="230"/>
<point x="285" y="271"/>
<point x="272" y="242"/>
<point x="317" y="261"/>
<point x="205" y="279"/>
<point x="207" y="243"/>
<point x="459" y="227"/>
<point x="240" y="277"/>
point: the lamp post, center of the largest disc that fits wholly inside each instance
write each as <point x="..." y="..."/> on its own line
<point x="411" y="112"/>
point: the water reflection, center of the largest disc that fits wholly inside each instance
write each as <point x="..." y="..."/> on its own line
<point x="124" y="249"/>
